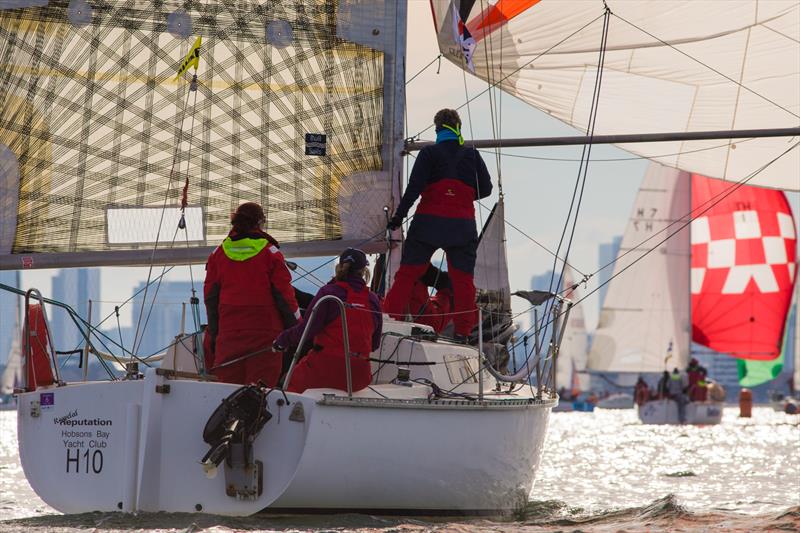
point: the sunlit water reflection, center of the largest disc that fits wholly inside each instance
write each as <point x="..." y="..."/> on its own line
<point x="601" y="471"/>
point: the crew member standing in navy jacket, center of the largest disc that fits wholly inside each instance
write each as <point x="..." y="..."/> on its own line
<point x="449" y="177"/>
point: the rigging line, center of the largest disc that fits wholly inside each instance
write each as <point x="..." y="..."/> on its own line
<point x="616" y="159"/>
<point x="581" y="179"/>
<point x="472" y="134"/>
<point x="588" y="151"/>
<point x="188" y="166"/>
<point x="368" y="239"/>
<point x="138" y="342"/>
<point x="709" y="67"/>
<point x="504" y="78"/>
<point x="723" y="195"/>
<point x="179" y="127"/>
<point x="423" y="69"/>
<point x="318" y="282"/>
<point x="584" y="165"/>
<point x="488" y="51"/>
<point x="537" y="243"/>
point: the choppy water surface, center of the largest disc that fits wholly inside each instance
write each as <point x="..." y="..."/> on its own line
<point x="601" y="471"/>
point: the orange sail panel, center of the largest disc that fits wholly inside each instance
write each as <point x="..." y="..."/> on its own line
<point x="743" y="267"/>
<point x="497" y="15"/>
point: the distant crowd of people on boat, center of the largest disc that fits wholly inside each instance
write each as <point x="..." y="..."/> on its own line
<point x="254" y="312"/>
<point x="690" y="385"/>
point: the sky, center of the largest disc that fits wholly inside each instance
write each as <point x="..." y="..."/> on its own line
<point x="537" y="192"/>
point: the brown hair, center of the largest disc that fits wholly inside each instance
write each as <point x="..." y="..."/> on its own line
<point x="447" y="116"/>
<point x="343" y="272"/>
<point x="247" y="217"/>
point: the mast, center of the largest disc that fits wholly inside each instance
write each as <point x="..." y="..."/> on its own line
<point x="394" y="115"/>
<point x="619" y="139"/>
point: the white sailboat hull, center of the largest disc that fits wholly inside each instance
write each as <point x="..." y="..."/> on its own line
<point x="121" y="445"/>
<point x="616" y="401"/>
<point x="666" y="412"/>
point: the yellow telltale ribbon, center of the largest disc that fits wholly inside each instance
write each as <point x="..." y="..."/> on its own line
<point x="192" y="59"/>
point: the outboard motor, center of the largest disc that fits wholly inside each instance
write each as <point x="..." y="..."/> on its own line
<point x="230" y="431"/>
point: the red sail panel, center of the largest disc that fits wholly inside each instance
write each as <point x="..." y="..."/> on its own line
<point x="743" y="268"/>
<point x="497" y="15"/>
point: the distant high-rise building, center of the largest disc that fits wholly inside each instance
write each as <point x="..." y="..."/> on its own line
<point x="606" y="253"/>
<point x="9" y="313"/>
<point x="159" y="321"/>
<point x="74" y="287"/>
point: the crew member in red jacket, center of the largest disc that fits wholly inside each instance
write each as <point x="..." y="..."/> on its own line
<point x="324" y="366"/>
<point x="249" y="300"/>
<point x="449" y="177"/>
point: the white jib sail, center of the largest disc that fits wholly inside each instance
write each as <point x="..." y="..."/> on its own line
<point x="491" y="265"/>
<point x="644" y="323"/>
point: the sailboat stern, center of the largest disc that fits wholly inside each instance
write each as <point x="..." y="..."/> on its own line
<point x="137" y="445"/>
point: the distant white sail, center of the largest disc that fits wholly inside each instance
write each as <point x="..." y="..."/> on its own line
<point x="12" y="376"/>
<point x="643" y="325"/>
<point x="573" y="355"/>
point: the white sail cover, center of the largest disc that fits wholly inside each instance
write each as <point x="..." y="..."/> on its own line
<point x="573" y="354"/>
<point x="678" y="66"/>
<point x="644" y="323"/>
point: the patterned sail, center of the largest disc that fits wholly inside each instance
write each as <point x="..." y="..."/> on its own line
<point x="743" y="268"/>
<point x="678" y="66"/>
<point x="98" y="131"/>
<point x="643" y="325"/>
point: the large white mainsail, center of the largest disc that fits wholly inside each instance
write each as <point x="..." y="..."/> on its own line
<point x="295" y="108"/>
<point x="644" y="323"/>
<point x="679" y="66"/>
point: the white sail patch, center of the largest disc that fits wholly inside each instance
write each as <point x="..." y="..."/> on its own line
<point x="144" y="225"/>
<point x="701" y="232"/>
<point x="746" y="225"/>
<point x="698" y="275"/>
<point x="739" y="277"/>
<point x="786" y="226"/>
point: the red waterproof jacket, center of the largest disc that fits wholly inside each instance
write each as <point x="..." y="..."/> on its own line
<point x="324" y="366"/>
<point x="248" y="294"/>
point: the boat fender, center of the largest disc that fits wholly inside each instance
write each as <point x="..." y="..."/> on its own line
<point x="237" y="420"/>
<point x="39" y="370"/>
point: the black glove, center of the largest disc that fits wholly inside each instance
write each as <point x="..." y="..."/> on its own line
<point x="443" y="282"/>
<point x="394" y="223"/>
<point x="430" y="276"/>
<point x="277" y="347"/>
